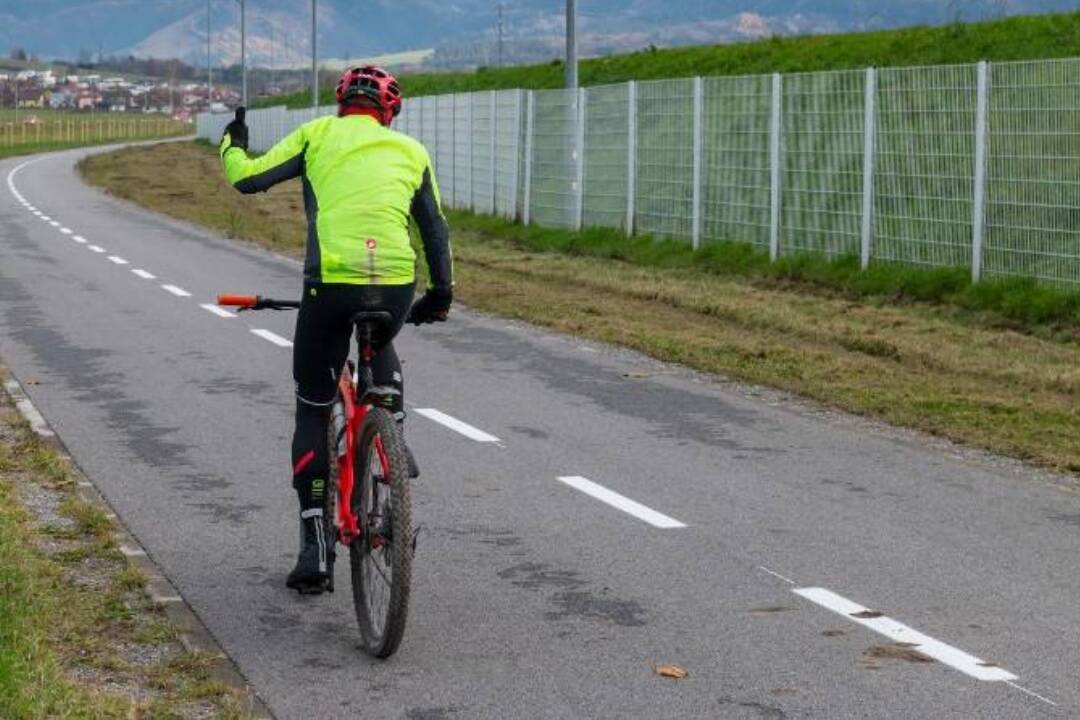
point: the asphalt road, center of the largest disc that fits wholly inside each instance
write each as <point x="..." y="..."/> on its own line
<point x="532" y="597"/>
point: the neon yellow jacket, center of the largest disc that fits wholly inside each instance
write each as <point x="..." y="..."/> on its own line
<point x="362" y="182"/>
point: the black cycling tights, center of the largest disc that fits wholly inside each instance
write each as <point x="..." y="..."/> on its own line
<point x="321" y="345"/>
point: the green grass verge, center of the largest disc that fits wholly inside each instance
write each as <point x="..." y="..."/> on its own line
<point x="72" y="607"/>
<point x="1015" y="303"/>
<point x="1016" y="38"/>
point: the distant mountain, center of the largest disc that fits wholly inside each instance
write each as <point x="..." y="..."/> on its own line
<point x="279" y="30"/>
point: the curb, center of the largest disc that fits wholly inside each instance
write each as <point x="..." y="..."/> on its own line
<point x="194" y="635"/>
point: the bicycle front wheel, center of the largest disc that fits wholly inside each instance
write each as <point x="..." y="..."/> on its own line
<point x="381" y="558"/>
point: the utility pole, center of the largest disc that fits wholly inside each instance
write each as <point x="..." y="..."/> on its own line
<point x="571" y="45"/>
<point x="209" y="68"/>
<point x="243" y="54"/>
<point x="272" y="58"/>
<point x="502" y="6"/>
<point x="314" y="53"/>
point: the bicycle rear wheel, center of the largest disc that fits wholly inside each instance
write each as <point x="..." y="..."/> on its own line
<point x="381" y="558"/>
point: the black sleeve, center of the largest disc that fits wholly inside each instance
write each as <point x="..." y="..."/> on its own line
<point x="291" y="168"/>
<point x="435" y="235"/>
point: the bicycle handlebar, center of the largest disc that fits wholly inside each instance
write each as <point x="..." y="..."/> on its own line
<point x="256" y="302"/>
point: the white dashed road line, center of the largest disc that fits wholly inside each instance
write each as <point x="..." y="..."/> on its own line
<point x="621" y="502"/>
<point x="66" y="231"/>
<point x="177" y="291"/>
<point x="900" y="633"/>
<point x="457" y="425"/>
<point x="144" y="274"/>
<point x="79" y="239"/>
<point x="116" y="259"/>
<point x="272" y="337"/>
<point x="55" y="223"/>
<point x="95" y="248"/>
<point x="220" y="312"/>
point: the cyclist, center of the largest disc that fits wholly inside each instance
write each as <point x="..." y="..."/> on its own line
<point x="362" y="182"/>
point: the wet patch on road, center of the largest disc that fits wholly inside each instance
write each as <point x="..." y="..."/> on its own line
<point x="234" y="513"/>
<point x="677" y="413"/>
<point x="573" y="599"/>
<point x="529" y="432"/>
<point x="83" y="370"/>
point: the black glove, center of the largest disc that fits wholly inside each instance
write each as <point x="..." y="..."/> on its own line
<point x="433" y="307"/>
<point x="237" y="130"/>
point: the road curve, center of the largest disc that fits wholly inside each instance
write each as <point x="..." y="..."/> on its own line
<point x="587" y="514"/>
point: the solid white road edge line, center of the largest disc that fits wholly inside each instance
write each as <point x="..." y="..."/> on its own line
<point x="220" y="312"/>
<point x="272" y="337"/>
<point x="144" y="274"/>
<point x="27" y="410"/>
<point x="457" y="425"/>
<point x="177" y="291"/>
<point x="621" y="502"/>
<point x="898" y="632"/>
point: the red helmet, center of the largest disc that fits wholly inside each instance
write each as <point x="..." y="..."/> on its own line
<point x="374" y="83"/>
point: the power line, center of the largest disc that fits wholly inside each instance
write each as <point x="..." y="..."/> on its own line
<point x="502" y="6"/>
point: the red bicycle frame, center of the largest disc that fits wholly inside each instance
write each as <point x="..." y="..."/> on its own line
<point x="348" y="524"/>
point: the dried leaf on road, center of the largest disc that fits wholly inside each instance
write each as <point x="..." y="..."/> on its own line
<point x="671" y="671"/>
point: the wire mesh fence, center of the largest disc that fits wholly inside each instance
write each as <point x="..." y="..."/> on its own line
<point x="606" y="173"/>
<point x="553" y="176"/>
<point x="821" y="190"/>
<point x="925" y="150"/>
<point x="1033" y="172"/>
<point x="972" y="166"/>
<point x="737" y="187"/>
<point x="665" y="158"/>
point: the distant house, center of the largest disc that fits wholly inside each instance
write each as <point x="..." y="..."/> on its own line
<point x="88" y="101"/>
<point x="61" y="99"/>
<point x="32" y="98"/>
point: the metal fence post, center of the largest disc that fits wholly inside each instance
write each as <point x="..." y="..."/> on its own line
<point x="530" y="126"/>
<point x="699" y="102"/>
<point x="579" y="168"/>
<point x="631" y="156"/>
<point x="774" y="163"/>
<point x="978" y="219"/>
<point x="869" y="143"/>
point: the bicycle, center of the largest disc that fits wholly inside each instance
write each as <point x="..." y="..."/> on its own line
<point x="372" y="517"/>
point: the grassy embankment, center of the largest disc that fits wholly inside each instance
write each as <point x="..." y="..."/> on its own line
<point x="996" y="366"/>
<point x="1018" y="38"/>
<point x="78" y="636"/>
<point x="55" y="130"/>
